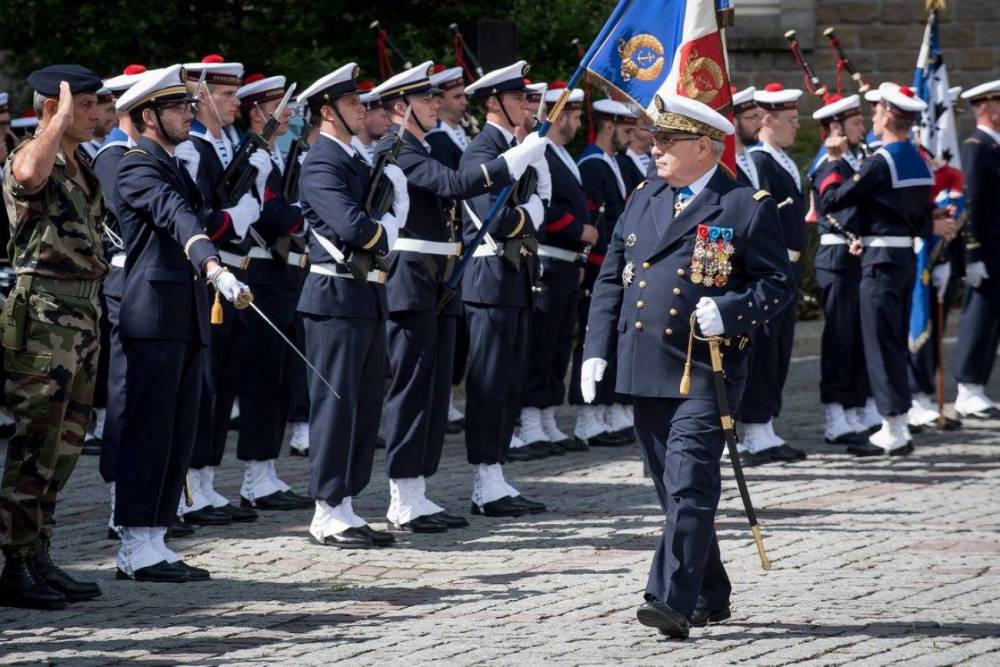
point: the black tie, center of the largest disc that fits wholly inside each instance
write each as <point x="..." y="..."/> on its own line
<point x="361" y="161"/>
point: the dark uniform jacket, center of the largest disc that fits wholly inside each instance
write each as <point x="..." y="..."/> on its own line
<point x="278" y="219"/>
<point x="162" y="218"/>
<point x="210" y="173"/>
<point x="775" y="179"/>
<point x="981" y="164"/>
<point x="443" y="148"/>
<point x="105" y="167"/>
<point x="568" y="212"/>
<point x="631" y="173"/>
<point x="645" y="293"/>
<point x="822" y="174"/>
<point x="332" y="189"/>
<point x="602" y="188"/>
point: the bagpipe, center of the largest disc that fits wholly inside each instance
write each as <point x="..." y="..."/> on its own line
<point x="472" y="70"/>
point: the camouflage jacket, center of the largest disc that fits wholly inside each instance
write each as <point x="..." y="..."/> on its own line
<point x="55" y="231"/>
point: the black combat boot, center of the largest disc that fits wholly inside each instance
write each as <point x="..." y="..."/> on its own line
<point x="54" y="576"/>
<point x="21" y="587"/>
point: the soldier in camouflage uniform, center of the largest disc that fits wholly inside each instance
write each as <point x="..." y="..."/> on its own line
<point x="49" y="330"/>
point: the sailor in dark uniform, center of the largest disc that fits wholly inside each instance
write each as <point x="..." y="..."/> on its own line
<point x="979" y="326"/>
<point x="344" y="309"/>
<point x="276" y="288"/>
<point x="772" y="344"/>
<point x="655" y="278"/>
<point x="497" y="291"/>
<point x="843" y="384"/>
<point x="605" y="422"/>
<point x="892" y="195"/>
<point x="635" y="161"/>
<point x="163" y="323"/>
<point x="747" y="116"/>
<point x="566" y="233"/>
<point x="212" y="145"/>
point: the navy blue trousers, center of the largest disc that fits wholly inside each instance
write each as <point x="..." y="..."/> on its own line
<point x="843" y="376"/>
<point x="551" y="341"/>
<point x="886" y="293"/>
<point x="115" y="392"/>
<point x="769" y="365"/>
<point x="979" y="329"/>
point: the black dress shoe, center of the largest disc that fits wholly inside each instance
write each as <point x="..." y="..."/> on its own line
<point x="352" y="538"/>
<point x="237" y="514"/>
<point x="531" y="506"/>
<point x="604" y="440"/>
<point x="701" y="617"/>
<point x="522" y="454"/>
<point x="500" y="507"/>
<point x="626" y="435"/>
<point x="457" y="426"/>
<point x="274" y="501"/>
<point x="91" y="447"/>
<point x="379" y="538"/>
<point x="180" y="529"/>
<point x="301" y="502"/>
<point x="948" y="424"/>
<point x="191" y="572"/>
<point x="21" y="587"/>
<point x="54" y="576"/>
<point x="207" y="516"/>
<point x="451" y="520"/>
<point x="299" y="452"/>
<point x="659" y="615"/>
<point x="574" y="445"/>
<point x="553" y="448"/>
<point x="113" y="534"/>
<point x="160" y="573"/>
<point x="905" y="450"/>
<point x="865" y="449"/>
<point x="423" y="524"/>
<point x="785" y="453"/>
<point x="541" y="449"/>
<point x="849" y="438"/>
<point x="751" y="460"/>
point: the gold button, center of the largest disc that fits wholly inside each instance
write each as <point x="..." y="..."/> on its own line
<point x="642" y="284"/>
<point x="677" y="290"/>
<point x="673" y="311"/>
<point x="640" y="304"/>
<point x="638" y="326"/>
<point x="645" y="265"/>
<point x="680" y="272"/>
<point x="669" y="332"/>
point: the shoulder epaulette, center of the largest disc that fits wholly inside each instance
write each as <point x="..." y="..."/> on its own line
<point x="136" y="150"/>
<point x="761" y="195"/>
<point x="642" y="185"/>
<point x="973" y="140"/>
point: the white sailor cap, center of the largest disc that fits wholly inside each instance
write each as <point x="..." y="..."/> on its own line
<point x="875" y="94"/>
<point x="536" y="91"/>
<point x="257" y="89"/>
<point x="154" y="86"/>
<point x="4" y="102"/>
<point x="105" y="95"/>
<point x="743" y="100"/>
<point x="509" y="79"/>
<point x="217" y="71"/>
<point x="555" y="91"/>
<point x="687" y="115"/>
<point x="119" y="84"/>
<point x="446" y="78"/>
<point x="775" y="97"/>
<point x="414" y="81"/>
<point x="342" y="81"/>
<point x="367" y="97"/>
<point x="901" y="100"/>
<point x="838" y="108"/>
<point x="954" y="93"/>
<point x="984" y="92"/>
<point x="27" y="120"/>
<point x="615" y="112"/>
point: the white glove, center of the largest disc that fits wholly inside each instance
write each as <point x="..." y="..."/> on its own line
<point x="544" y="179"/>
<point x="189" y="157"/>
<point x="245" y="213"/>
<point x="261" y="161"/>
<point x="520" y="157"/>
<point x="535" y="210"/>
<point x="591" y="372"/>
<point x="390" y="223"/>
<point x="400" y="195"/>
<point x="939" y="278"/>
<point x="229" y="287"/>
<point x="709" y="317"/>
<point x="975" y="274"/>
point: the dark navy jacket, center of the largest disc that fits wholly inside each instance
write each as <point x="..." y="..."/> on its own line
<point x="432" y="187"/>
<point x="162" y="219"/>
<point x="776" y="180"/>
<point x="105" y="167"/>
<point x="488" y="280"/>
<point x="981" y="164"/>
<point x="210" y="173"/>
<point x="568" y="211"/>
<point x="443" y="149"/>
<point x="630" y="172"/>
<point x="278" y="218"/>
<point x="601" y="186"/>
<point x="332" y="189"/>
<point x="644" y="295"/>
<point x="822" y="174"/>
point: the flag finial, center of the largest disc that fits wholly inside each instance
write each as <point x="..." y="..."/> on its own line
<point x="934" y="5"/>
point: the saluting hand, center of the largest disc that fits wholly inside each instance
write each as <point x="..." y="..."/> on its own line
<point x="836" y="146"/>
<point x="64" y="112"/>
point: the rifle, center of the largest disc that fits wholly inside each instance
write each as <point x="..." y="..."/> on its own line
<point x="527" y="185"/>
<point x="843" y="62"/>
<point x="240" y="174"/>
<point x="290" y="180"/>
<point x="813" y="84"/>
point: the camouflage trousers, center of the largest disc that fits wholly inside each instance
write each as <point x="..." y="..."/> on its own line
<point x="49" y="391"/>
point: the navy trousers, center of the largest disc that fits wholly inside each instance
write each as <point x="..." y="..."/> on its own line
<point x="115" y="414"/>
<point x="769" y="365"/>
<point x="550" y="347"/>
<point x="886" y="293"/>
<point x="924" y="361"/>
<point x="843" y="375"/>
<point x="979" y="329"/>
<point x="682" y="441"/>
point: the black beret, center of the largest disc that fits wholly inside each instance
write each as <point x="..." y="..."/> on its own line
<point x="80" y="79"/>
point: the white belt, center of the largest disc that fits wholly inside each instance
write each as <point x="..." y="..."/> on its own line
<point x="794" y="255"/>
<point x="299" y="259"/>
<point x="118" y="260"/>
<point x="558" y="253"/>
<point x="487" y="251"/>
<point x="887" y="241"/>
<point x="241" y="261"/>
<point x="428" y="247"/>
<point x="832" y="239"/>
<point x="337" y="272"/>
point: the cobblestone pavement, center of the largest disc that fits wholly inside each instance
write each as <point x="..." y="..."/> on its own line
<point x="875" y="562"/>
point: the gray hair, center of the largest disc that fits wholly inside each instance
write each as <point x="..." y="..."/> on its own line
<point x="38" y="103"/>
<point x="717" y="148"/>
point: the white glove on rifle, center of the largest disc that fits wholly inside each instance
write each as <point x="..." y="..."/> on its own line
<point x="400" y="195"/>
<point x="245" y="213"/>
<point x="544" y="179"/>
<point x="591" y="372"/>
<point x="709" y="317"/>
<point x="261" y="161"/>
<point x="939" y="278"/>
<point x="535" y="210"/>
<point x="975" y="274"/>
<point x="390" y="223"/>
<point x="229" y="287"/>
<point x="520" y="157"/>
<point x="189" y="157"/>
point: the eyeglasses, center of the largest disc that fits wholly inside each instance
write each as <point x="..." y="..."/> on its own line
<point x="180" y="107"/>
<point x="666" y="141"/>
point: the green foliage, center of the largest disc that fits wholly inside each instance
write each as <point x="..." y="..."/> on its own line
<point x="806" y="144"/>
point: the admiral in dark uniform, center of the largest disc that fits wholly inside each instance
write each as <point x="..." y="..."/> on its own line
<point x="344" y="309"/>
<point x="695" y="243"/>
